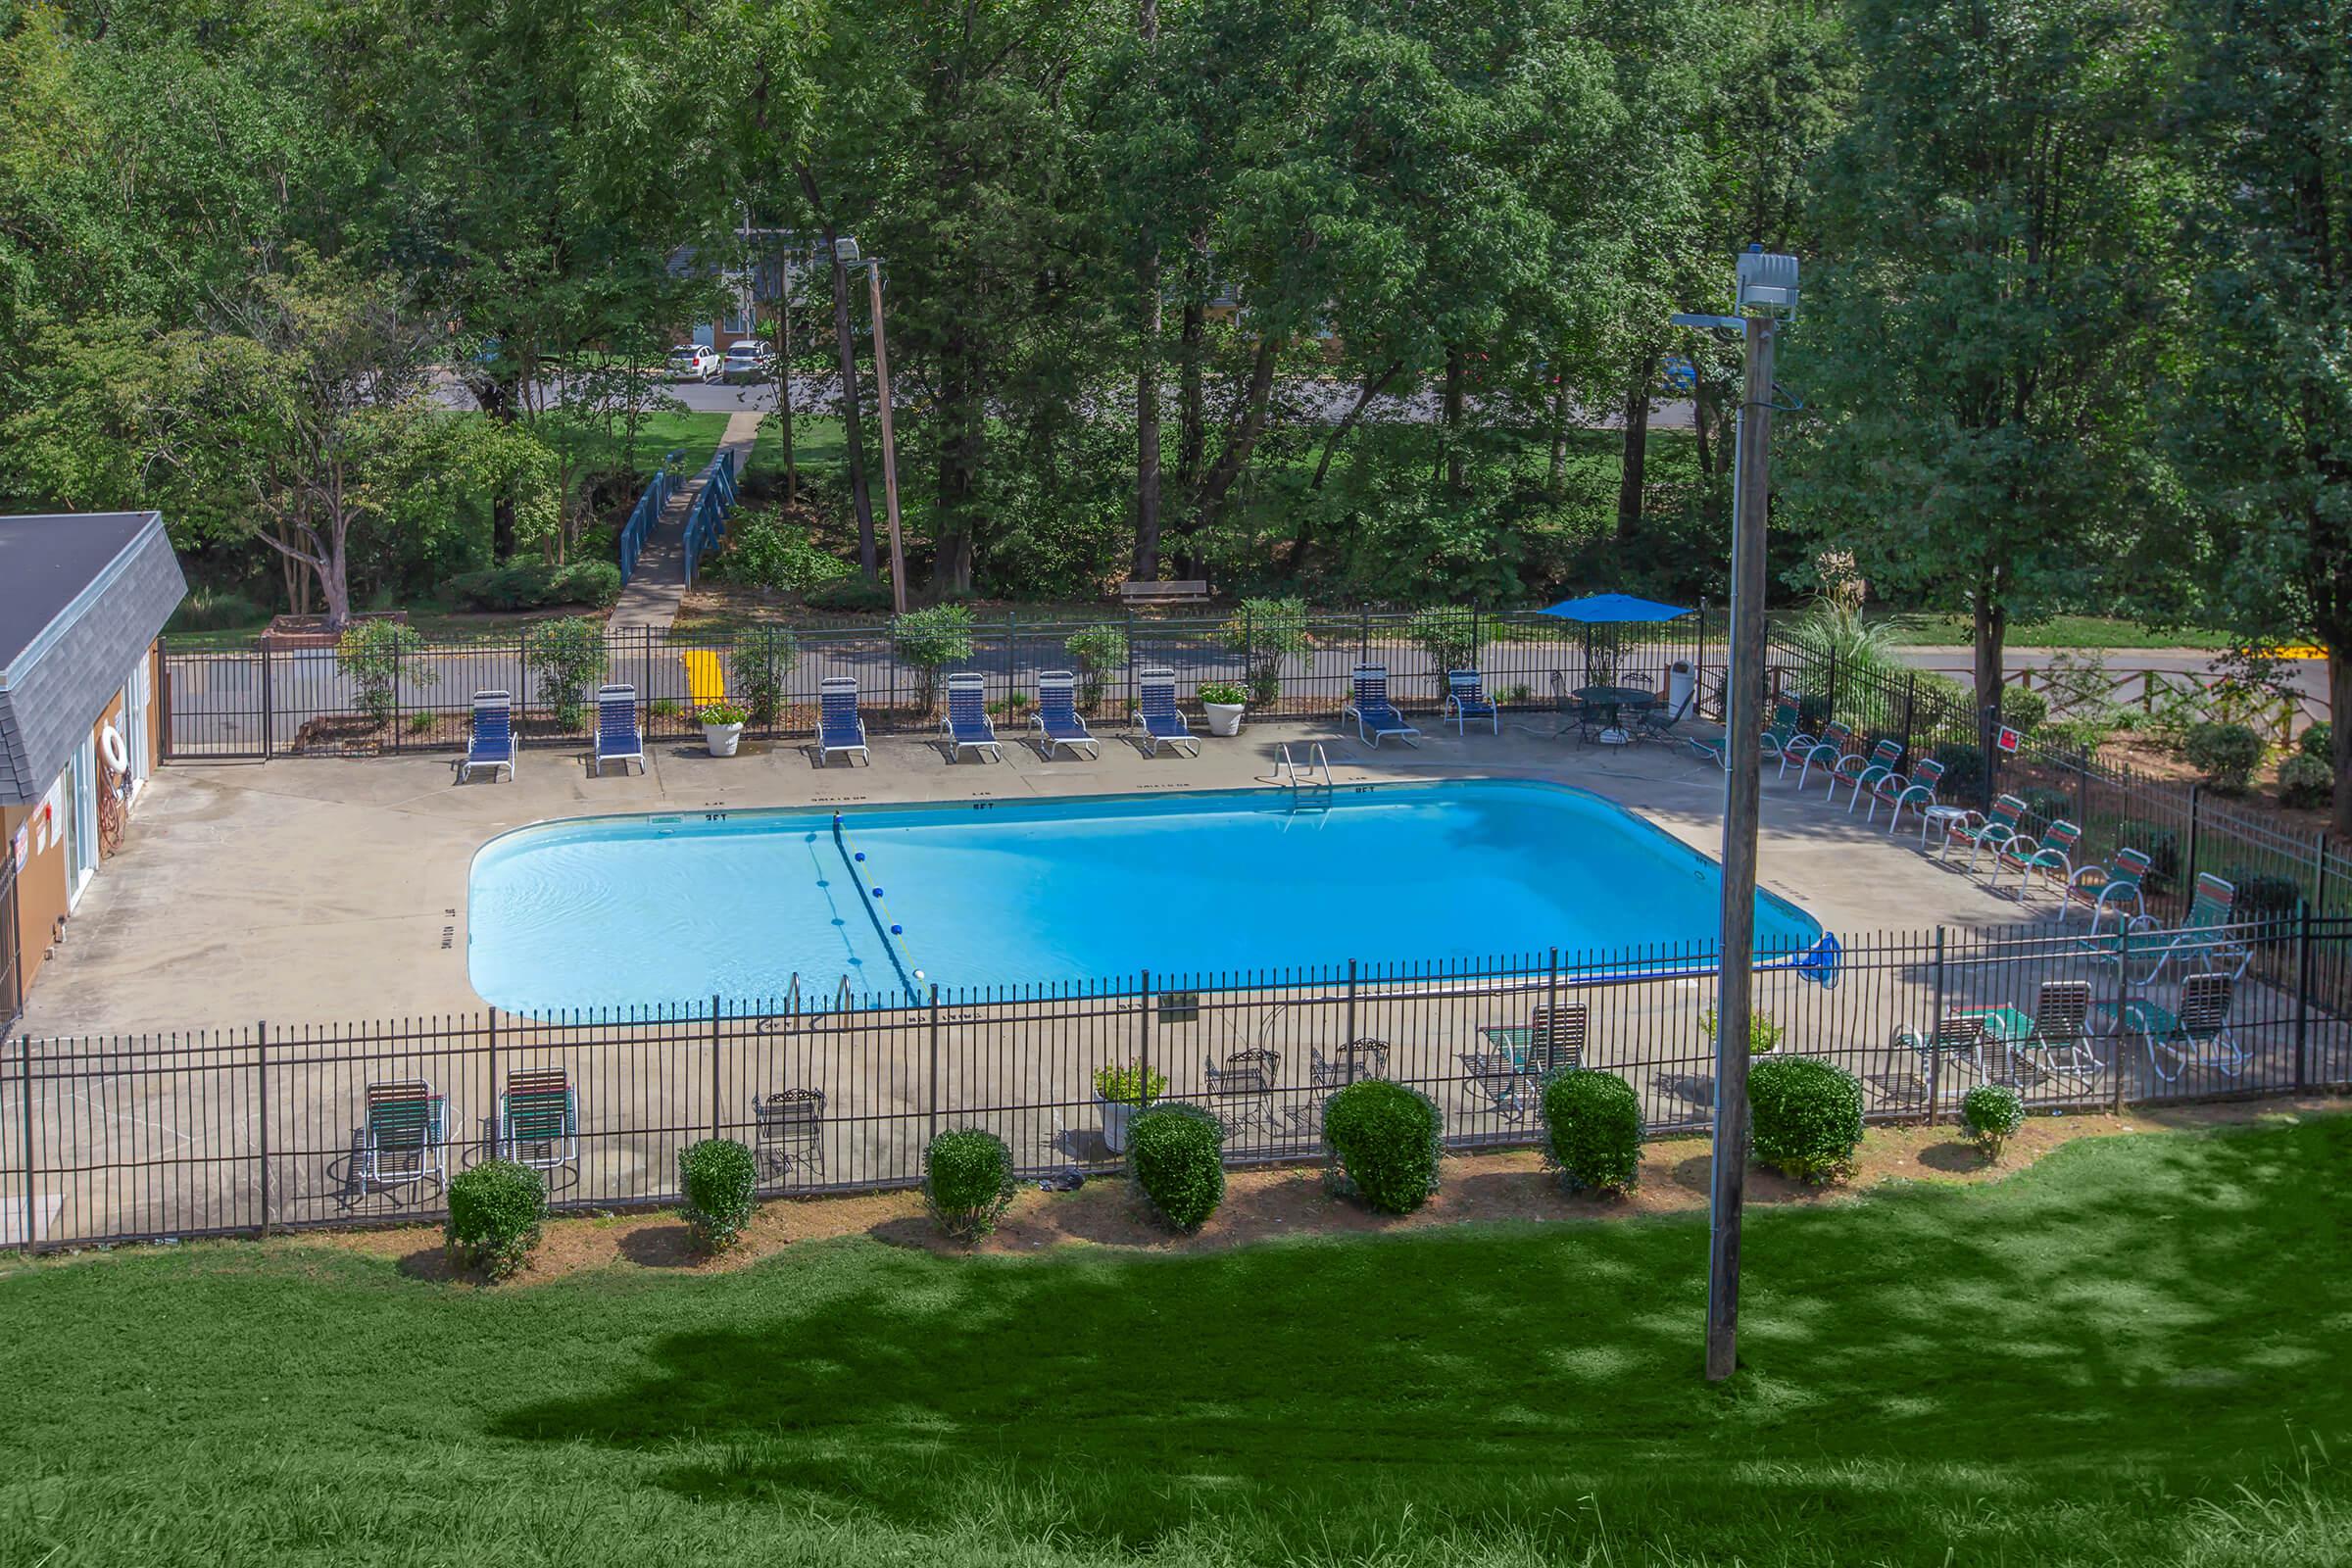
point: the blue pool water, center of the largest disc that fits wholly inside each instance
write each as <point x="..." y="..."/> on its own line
<point x="637" y="911"/>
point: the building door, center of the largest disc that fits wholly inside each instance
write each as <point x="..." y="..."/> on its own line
<point x="82" y="819"/>
<point x="134" y="727"/>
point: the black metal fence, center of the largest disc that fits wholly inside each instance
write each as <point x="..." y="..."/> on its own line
<point x="126" y="1138"/>
<point x="267" y="701"/>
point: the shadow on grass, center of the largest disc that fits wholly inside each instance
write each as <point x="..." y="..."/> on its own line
<point x="2140" y="1310"/>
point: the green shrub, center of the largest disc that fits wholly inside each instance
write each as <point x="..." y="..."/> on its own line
<point x="1963" y="771"/>
<point x="1124" y="1083"/>
<point x="1448" y="636"/>
<point x="1099" y="652"/>
<point x="569" y="657"/>
<point x="2319" y="741"/>
<point x="1386" y="1140"/>
<point x="763" y="662"/>
<point x="720" y="1180"/>
<point x="1991" y="1115"/>
<point x="1593" y="1131"/>
<point x="494" y="1212"/>
<point x="2023" y="709"/>
<point x="848" y="596"/>
<point x="2306" y="782"/>
<point x="2225" y="754"/>
<point x="215" y="609"/>
<point x="2264" y="901"/>
<point x="929" y="639"/>
<point x="2044" y="806"/>
<point x="1808" y="1116"/>
<point x="968" y="1181"/>
<point x="2160" y="844"/>
<point x="1178" y="1155"/>
<point x="764" y="551"/>
<point x="1763" y="1035"/>
<point x="1264" y="631"/>
<point x="537" y="585"/>
<point x="375" y="655"/>
<point x="1812" y="712"/>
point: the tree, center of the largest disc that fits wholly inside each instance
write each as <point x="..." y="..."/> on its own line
<point x="1973" y="354"/>
<point x="2262" y="423"/>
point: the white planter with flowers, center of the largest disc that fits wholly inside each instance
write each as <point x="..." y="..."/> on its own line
<point x="722" y="727"/>
<point x="1224" y="703"/>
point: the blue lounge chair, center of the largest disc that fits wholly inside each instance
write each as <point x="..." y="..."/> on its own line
<point x="1058" y="719"/>
<point x="968" y="726"/>
<point x="1155" y="708"/>
<point x="1864" y="773"/>
<point x="405" y="1139"/>
<point x="1466" y="702"/>
<point x="1374" y="714"/>
<point x="838" y="726"/>
<point x="617" y="737"/>
<point x="493" y="743"/>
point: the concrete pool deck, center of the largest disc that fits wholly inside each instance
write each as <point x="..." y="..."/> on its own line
<point x="334" y="889"/>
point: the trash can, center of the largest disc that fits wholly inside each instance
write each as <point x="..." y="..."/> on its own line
<point x="1681" y="682"/>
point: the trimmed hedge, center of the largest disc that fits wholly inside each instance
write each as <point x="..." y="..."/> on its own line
<point x="2046" y="805"/>
<point x="720" y="1179"/>
<point x="1385" y="1137"/>
<point x="2306" y="781"/>
<point x="1593" y="1131"/>
<point x="1991" y="1115"/>
<point x="2225" y="754"/>
<point x="2024" y="711"/>
<point x="968" y="1181"/>
<point x="2319" y="741"/>
<point x="1177" y="1153"/>
<point x="494" y="1213"/>
<point x="847" y="594"/>
<point x="1963" y="771"/>
<point x="1808" y="1116"/>
<point x="536" y="585"/>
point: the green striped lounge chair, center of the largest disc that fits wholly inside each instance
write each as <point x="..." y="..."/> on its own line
<point x="1777" y="734"/>
<point x="539" y="1119"/>
<point x="1863" y="773"/>
<point x="1981" y="832"/>
<point x="2197" y="1036"/>
<point x="1825" y="749"/>
<point x="406" y="1138"/>
<point x="2114" y="885"/>
<point x="1915" y="790"/>
<point x="2052" y="853"/>
<point x="2207" y="935"/>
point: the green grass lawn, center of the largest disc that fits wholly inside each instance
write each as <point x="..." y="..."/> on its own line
<point x="1914" y="629"/>
<point x="2132" y="1353"/>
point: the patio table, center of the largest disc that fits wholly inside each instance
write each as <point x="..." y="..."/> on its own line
<point x="1612" y="701"/>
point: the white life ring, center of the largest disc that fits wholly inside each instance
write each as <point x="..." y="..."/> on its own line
<point x="110" y="741"/>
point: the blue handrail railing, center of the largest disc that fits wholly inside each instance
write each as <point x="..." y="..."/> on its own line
<point x="646" y="516"/>
<point x="706" y="523"/>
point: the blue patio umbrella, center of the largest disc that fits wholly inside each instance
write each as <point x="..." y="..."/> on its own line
<point x="1609" y="610"/>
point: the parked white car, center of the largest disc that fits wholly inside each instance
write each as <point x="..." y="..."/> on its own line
<point x="749" y="360"/>
<point x="694" y="362"/>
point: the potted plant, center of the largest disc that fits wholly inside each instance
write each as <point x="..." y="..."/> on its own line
<point x="1763" y="1035"/>
<point x="1122" y="1089"/>
<point x="1224" y="701"/>
<point x="722" y="727"/>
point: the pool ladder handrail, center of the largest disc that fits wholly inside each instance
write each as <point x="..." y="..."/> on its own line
<point x="1302" y="777"/>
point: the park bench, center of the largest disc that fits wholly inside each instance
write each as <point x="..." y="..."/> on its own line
<point x="1190" y="592"/>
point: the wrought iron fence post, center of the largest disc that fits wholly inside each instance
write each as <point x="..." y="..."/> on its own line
<point x="1348" y="1041"/>
<point x="1142" y="1043"/>
<point x="715" y="1005"/>
<point x="2320" y="896"/>
<point x="490" y="1064"/>
<point x="1012" y="659"/>
<point x="931" y="1094"/>
<point x="2123" y="1000"/>
<point x="1363" y="637"/>
<point x="269" y="705"/>
<point x="1934" y="1035"/>
<point x="1910" y="711"/>
<point x="2188" y="880"/>
<point x="2303" y="998"/>
<point x="25" y="1099"/>
<point x="261" y="1072"/>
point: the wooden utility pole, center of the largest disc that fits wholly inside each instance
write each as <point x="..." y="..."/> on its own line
<point x="1743" y="723"/>
<point x="890" y="451"/>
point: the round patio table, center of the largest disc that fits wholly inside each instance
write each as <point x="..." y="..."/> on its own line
<point x="1612" y="701"/>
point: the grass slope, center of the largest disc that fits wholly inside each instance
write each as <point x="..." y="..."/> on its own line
<point x="2085" y="1364"/>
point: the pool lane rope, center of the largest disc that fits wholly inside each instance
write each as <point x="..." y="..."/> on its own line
<point x="878" y="909"/>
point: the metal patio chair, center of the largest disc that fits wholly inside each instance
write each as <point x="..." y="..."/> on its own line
<point x="1493" y="1082"/>
<point x="789" y="1131"/>
<point x="1246" y="1084"/>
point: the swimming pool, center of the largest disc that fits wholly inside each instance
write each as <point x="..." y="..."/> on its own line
<point x="672" y="911"/>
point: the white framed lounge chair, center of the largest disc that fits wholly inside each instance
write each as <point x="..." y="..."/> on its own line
<point x="1156" y="713"/>
<point x="617" y="737"/>
<point x="2116" y="885"/>
<point x="1917" y="789"/>
<point x="968" y="726"/>
<point x="2051" y="853"/>
<point x="1779" y="735"/>
<point x="492" y="743"/>
<point x="1806" y="750"/>
<point x="1369" y="705"/>
<point x="1057" y="720"/>
<point x="839" y="728"/>
<point x="539" y="1119"/>
<point x="1982" y="832"/>
<point x="404" y="1141"/>
<point x="1863" y="773"/>
<point x="1467" y="703"/>
<point x="2197" y="1036"/>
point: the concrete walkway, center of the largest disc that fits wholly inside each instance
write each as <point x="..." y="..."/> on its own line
<point x="655" y="594"/>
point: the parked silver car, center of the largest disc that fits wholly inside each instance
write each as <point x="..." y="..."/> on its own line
<point x="694" y="362"/>
<point x="749" y="360"/>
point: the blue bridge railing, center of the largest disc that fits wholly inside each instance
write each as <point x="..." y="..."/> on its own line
<point x="646" y="516"/>
<point x="706" y="523"/>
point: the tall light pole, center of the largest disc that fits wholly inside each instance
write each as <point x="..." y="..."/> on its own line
<point x="1767" y="297"/>
<point x="846" y="249"/>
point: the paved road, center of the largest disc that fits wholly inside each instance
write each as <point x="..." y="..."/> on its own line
<point x="2308" y="676"/>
